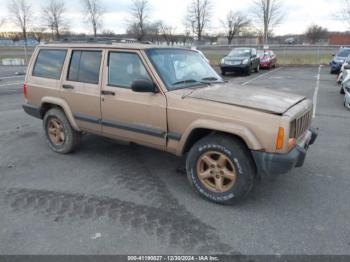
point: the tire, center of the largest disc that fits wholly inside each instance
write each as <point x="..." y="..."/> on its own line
<point x="223" y="72"/>
<point x="238" y="162"/>
<point x="342" y="92"/>
<point x="248" y="71"/>
<point x="257" y="69"/>
<point x="55" y="122"/>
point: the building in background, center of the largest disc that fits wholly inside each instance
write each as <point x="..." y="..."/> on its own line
<point x="339" y="38"/>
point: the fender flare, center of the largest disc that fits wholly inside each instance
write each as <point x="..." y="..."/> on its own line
<point x="65" y="107"/>
<point x="243" y="132"/>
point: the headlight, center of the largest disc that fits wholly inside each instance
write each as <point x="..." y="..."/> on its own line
<point x="245" y="61"/>
<point x="223" y="61"/>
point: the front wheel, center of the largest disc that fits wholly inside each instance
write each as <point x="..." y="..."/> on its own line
<point x="342" y="92"/>
<point x="257" y="69"/>
<point x="248" y="70"/>
<point x="220" y="168"/>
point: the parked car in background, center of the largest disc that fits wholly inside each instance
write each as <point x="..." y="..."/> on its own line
<point x="346" y="79"/>
<point x="290" y="41"/>
<point x="242" y="60"/>
<point x="339" y="60"/>
<point x="342" y="70"/>
<point x="345" y="86"/>
<point x="268" y="59"/>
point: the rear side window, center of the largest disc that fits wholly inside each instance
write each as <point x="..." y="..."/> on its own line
<point x="85" y="66"/>
<point x="49" y="63"/>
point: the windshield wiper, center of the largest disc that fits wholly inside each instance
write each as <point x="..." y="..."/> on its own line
<point x="185" y="82"/>
<point x="211" y="78"/>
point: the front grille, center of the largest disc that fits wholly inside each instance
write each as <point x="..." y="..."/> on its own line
<point x="300" y="125"/>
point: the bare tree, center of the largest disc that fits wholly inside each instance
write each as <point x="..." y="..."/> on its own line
<point x="94" y="11"/>
<point x="198" y="16"/>
<point x="168" y="33"/>
<point x="53" y="14"/>
<point x="39" y="33"/>
<point x="234" y="24"/>
<point x="268" y="14"/>
<point x="139" y="18"/>
<point x="21" y="15"/>
<point x="315" y="33"/>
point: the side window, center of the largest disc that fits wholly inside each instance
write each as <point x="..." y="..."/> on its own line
<point x="124" y="68"/>
<point x="49" y="63"/>
<point x="85" y="66"/>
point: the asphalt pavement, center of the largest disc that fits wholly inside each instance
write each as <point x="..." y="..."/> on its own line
<point x="111" y="198"/>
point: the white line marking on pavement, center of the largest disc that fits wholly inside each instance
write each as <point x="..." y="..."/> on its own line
<point x="256" y="78"/>
<point x="7" y="77"/>
<point x="316" y="90"/>
<point x="12" y="84"/>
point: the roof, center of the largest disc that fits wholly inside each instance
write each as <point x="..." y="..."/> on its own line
<point x="134" y="46"/>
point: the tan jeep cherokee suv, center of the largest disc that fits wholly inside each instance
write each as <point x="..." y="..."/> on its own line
<point x="169" y="99"/>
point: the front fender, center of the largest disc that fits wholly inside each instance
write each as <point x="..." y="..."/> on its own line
<point x="244" y="133"/>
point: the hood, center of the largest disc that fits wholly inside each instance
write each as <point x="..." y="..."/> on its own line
<point x="262" y="99"/>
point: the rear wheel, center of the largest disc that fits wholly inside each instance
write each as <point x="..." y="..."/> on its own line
<point x="220" y="168"/>
<point x="61" y="137"/>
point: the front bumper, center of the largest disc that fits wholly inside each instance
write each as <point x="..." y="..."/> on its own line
<point x="335" y="67"/>
<point x="234" y="68"/>
<point x="265" y="64"/>
<point x="270" y="164"/>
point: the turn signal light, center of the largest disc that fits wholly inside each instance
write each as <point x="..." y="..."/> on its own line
<point x="25" y="90"/>
<point x="280" y="139"/>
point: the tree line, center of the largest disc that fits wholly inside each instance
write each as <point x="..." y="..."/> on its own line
<point x="262" y="18"/>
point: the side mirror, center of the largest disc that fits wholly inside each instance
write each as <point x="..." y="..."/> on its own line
<point x="333" y="55"/>
<point x="143" y="86"/>
<point x="347" y="67"/>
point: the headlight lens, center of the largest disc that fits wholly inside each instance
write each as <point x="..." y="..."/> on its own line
<point x="245" y="61"/>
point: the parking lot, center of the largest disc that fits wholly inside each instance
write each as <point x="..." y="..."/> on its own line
<point x="111" y="198"/>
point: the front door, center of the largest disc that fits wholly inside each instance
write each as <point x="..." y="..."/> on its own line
<point x="81" y="88"/>
<point x="132" y="116"/>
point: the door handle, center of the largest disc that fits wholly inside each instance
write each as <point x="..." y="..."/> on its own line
<point x="107" y="93"/>
<point x="67" y="87"/>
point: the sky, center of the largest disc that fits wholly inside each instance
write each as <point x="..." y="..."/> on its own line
<point x="299" y="14"/>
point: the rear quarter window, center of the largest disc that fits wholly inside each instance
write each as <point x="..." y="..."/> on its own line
<point x="49" y="63"/>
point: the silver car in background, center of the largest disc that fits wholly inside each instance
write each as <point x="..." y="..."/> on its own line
<point x="345" y="86"/>
<point x="341" y="75"/>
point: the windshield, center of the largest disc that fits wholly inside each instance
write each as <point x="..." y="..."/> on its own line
<point x="343" y="53"/>
<point x="181" y="68"/>
<point x="240" y="52"/>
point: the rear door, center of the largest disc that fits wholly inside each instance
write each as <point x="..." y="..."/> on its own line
<point x="81" y="87"/>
